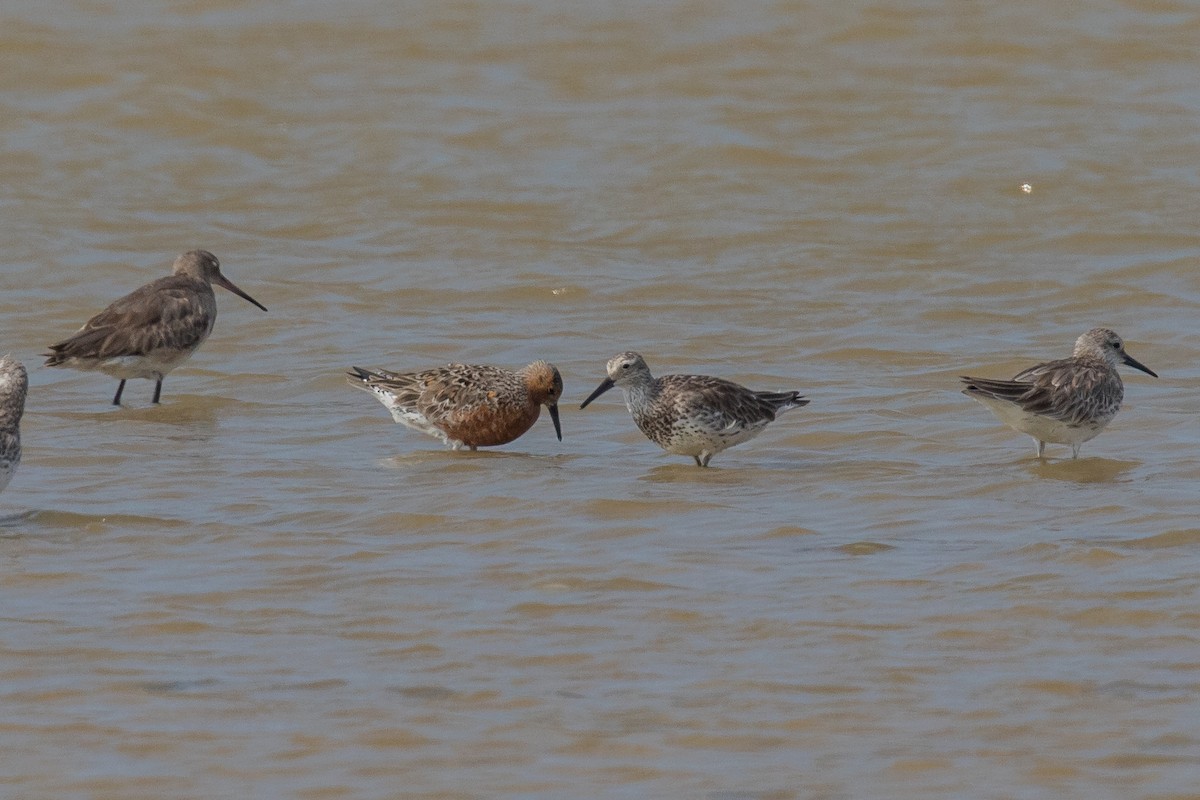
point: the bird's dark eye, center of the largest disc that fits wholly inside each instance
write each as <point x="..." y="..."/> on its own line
<point x="624" y="366"/>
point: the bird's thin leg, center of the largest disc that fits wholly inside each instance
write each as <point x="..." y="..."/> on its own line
<point x="1075" y="450"/>
<point x="1041" y="448"/>
<point x="157" y="390"/>
<point x="117" y="396"/>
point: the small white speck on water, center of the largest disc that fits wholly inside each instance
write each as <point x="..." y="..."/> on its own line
<point x="1026" y="188"/>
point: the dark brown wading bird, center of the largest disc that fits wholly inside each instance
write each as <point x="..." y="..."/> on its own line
<point x="152" y="330"/>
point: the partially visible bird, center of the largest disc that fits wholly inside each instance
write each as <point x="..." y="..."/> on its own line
<point x="14" y="384"/>
<point x="1068" y="401"/>
<point x="692" y="415"/>
<point x="467" y="405"/>
<point x="152" y="330"/>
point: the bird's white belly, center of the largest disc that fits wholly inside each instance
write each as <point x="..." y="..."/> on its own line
<point x="1046" y="429"/>
<point x="410" y="417"/>
<point x="689" y="438"/>
<point x="154" y="365"/>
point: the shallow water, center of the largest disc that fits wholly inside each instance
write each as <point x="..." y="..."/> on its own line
<point x="264" y="588"/>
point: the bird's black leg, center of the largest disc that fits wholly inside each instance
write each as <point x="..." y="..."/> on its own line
<point x="157" y="389"/>
<point x="117" y="396"/>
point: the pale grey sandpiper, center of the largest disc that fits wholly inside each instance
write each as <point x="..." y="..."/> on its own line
<point x="1068" y="401"/>
<point x="692" y="415"/>
<point x="467" y="405"/>
<point x="152" y="330"/>
<point x="14" y="384"/>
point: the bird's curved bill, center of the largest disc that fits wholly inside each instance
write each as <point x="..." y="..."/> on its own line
<point x="604" y="386"/>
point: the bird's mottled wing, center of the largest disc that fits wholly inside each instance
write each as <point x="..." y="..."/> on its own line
<point x="164" y="313"/>
<point x="459" y="392"/>
<point x="724" y="405"/>
<point x="1067" y="390"/>
<point x="399" y="389"/>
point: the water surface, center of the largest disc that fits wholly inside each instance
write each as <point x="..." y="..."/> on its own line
<point x="264" y="588"/>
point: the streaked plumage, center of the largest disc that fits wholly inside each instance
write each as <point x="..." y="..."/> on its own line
<point x="692" y="415"/>
<point x="1068" y="401"/>
<point x="467" y="405"/>
<point x="14" y="384"/>
<point x="152" y="330"/>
